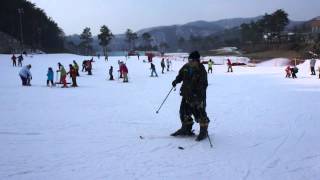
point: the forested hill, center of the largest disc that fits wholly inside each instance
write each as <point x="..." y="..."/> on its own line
<point x="38" y="30"/>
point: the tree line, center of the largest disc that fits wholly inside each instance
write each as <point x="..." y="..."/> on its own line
<point x="30" y="25"/>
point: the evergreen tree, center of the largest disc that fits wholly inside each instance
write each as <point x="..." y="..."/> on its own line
<point x="147" y="39"/>
<point x="131" y="38"/>
<point x="86" y="40"/>
<point x="105" y="37"/>
<point x="38" y="30"/>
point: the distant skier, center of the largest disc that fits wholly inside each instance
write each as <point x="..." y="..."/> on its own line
<point x="111" y="73"/>
<point x="138" y="55"/>
<point x="193" y="92"/>
<point x="153" y="70"/>
<point x="73" y="75"/>
<point x="76" y="67"/>
<point x="14" y="60"/>
<point x="120" y="64"/>
<point x="25" y="75"/>
<point x="150" y="57"/>
<point x="229" y="63"/>
<point x="168" y="64"/>
<point x="288" y="72"/>
<point x="294" y="71"/>
<point x="312" y="66"/>
<point x="319" y="71"/>
<point x="50" y="76"/>
<point x="163" y="65"/>
<point x="210" y="64"/>
<point x="20" y="59"/>
<point x="63" y="75"/>
<point x="84" y="63"/>
<point x="89" y="66"/>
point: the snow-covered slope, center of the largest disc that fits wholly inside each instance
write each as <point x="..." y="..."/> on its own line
<point x="263" y="126"/>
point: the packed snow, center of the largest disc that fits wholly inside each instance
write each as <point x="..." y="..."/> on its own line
<point x="263" y="126"/>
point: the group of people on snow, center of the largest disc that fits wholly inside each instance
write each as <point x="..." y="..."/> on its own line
<point x="291" y="72"/>
<point x="26" y="77"/>
<point x="14" y="60"/>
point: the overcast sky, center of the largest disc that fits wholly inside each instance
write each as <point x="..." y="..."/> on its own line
<point x="73" y="15"/>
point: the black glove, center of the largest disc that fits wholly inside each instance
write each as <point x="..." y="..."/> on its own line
<point x="174" y="83"/>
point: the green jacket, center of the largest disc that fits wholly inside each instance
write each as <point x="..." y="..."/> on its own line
<point x="210" y="64"/>
<point x="195" y="82"/>
<point x="62" y="71"/>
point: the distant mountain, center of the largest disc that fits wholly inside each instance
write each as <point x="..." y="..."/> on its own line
<point x="171" y="34"/>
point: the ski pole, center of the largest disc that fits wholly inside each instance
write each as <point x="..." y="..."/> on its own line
<point x="165" y="100"/>
<point x="209" y="141"/>
<point x="209" y="136"/>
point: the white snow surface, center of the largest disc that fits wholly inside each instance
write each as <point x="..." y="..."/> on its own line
<point x="276" y="62"/>
<point x="263" y="126"/>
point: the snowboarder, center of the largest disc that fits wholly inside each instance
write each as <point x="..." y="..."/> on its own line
<point x="25" y="75"/>
<point x="73" y="75"/>
<point x="153" y="70"/>
<point x="63" y="75"/>
<point x="163" y="65"/>
<point x="14" y="60"/>
<point x="110" y="73"/>
<point x="193" y="92"/>
<point x="210" y="64"/>
<point x="50" y="76"/>
<point x="288" y="72"/>
<point x="124" y="71"/>
<point x="20" y="59"/>
<point x="76" y="67"/>
<point x="312" y="66"/>
<point x="229" y="66"/>
<point x="294" y="71"/>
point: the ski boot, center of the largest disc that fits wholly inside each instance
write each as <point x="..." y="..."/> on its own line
<point x="203" y="133"/>
<point x="185" y="130"/>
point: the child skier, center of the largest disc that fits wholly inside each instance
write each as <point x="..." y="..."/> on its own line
<point x="73" y="75"/>
<point x="50" y="76"/>
<point x="124" y="71"/>
<point x="63" y="75"/>
<point x="288" y="72"/>
<point x="294" y="71"/>
<point x="76" y="67"/>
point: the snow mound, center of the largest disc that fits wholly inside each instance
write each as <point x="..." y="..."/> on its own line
<point x="277" y="62"/>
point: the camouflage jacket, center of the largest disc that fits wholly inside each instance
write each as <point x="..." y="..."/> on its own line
<point x="195" y="82"/>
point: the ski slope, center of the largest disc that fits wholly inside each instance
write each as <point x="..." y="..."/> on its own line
<point x="263" y="126"/>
